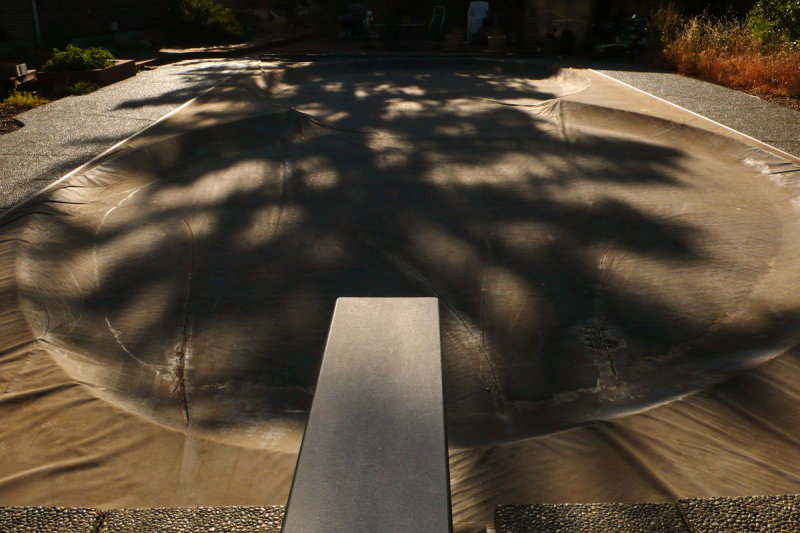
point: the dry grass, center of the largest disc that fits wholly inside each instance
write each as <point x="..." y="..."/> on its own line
<point x="725" y="52"/>
<point x="24" y="100"/>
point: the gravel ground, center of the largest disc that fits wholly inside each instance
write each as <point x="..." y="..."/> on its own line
<point x="66" y="133"/>
<point x="768" y="122"/>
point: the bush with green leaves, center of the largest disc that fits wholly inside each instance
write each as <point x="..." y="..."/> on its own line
<point x="776" y="22"/>
<point x="74" y="58"/>
<point x="76" y="88"/>
<point x="208" y="21"/>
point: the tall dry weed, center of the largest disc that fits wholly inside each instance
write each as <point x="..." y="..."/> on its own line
<point x="725" y="52"/>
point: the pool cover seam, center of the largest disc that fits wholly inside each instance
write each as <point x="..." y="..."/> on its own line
<point x="182" y="354"/>
<point x="760" y="142"/>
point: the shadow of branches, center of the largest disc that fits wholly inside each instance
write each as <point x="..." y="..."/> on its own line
<point x="198" y="268"/>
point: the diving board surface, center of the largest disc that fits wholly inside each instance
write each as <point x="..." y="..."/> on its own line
<point x="374" y="453"/>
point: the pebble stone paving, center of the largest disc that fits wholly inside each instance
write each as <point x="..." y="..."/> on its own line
<point x="47" y="520"/>
<point x="746" y="514"/>
<point x="586" y="518"/>
<point x="773" y="514"/>
<point x="176" y="520"/>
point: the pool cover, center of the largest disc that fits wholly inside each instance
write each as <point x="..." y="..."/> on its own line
<point x="617" y="282"/>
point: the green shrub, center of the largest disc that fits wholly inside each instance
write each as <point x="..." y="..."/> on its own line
<point x="208" y="21"/>
<point x="776" y="22"/>
<point x="76" y="88"/>
<point x="74" y="58"/>
<point x="666" y="22"/>
<point x="25" y="100"/>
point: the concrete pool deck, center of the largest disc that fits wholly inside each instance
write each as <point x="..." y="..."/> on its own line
<point x="67" y="133"/>
<point x="770" y="123"/>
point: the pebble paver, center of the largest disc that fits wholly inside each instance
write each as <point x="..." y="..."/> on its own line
<point x="48" y="520"/>
<point x="589" y="517"/>
<point x="197" y="519"/>
<point x="750" y="514"/>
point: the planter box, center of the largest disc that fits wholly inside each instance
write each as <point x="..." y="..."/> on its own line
<point x="123" y="68"/>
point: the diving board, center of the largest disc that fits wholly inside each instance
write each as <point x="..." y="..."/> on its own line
<point x="374" y="452"/>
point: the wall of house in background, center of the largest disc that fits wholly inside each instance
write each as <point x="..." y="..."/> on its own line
<point x="62" y="20"/>
<point x="534" y="20"/>
<point x="17" y="25"/>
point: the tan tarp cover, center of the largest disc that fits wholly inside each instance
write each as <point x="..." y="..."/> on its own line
<point x="617" y="278"/>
